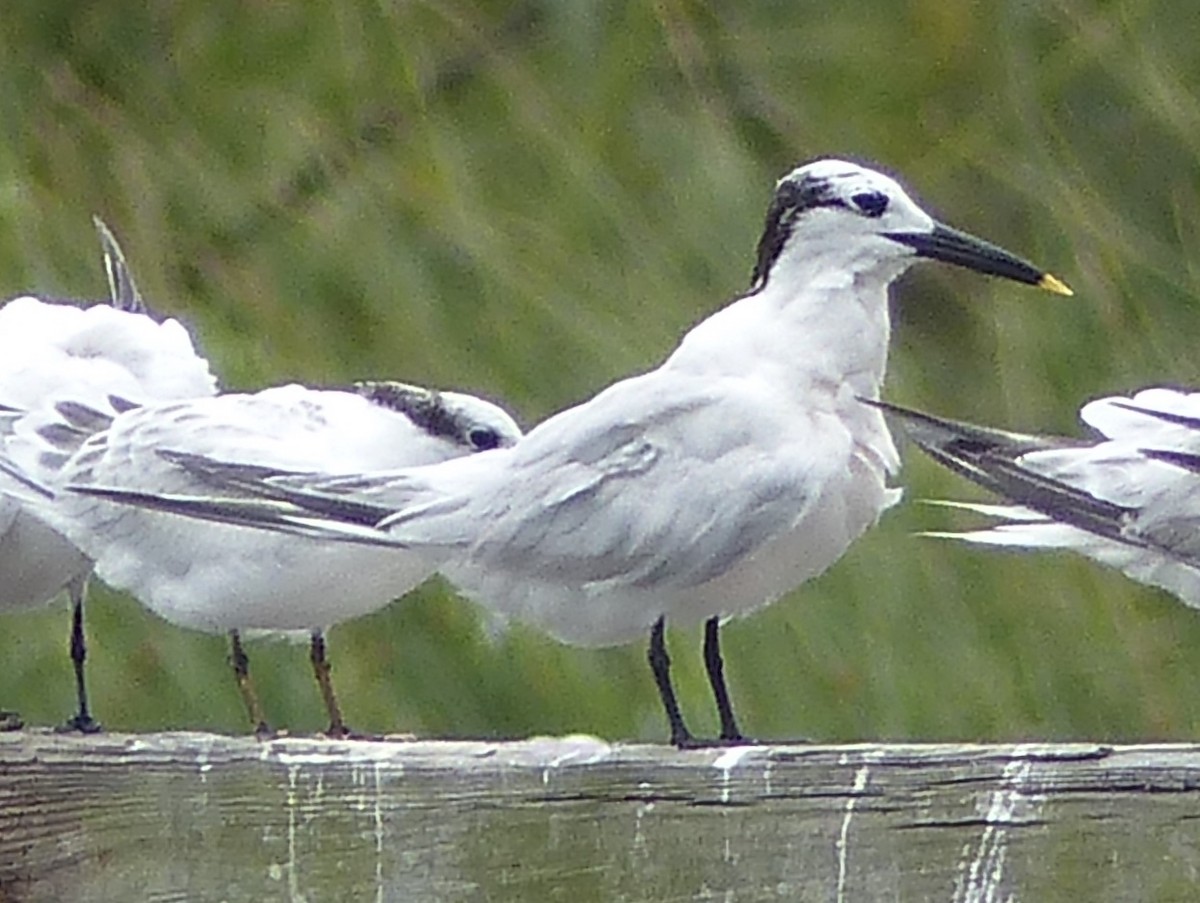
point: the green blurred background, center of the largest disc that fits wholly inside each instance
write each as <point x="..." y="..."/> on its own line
<point x="531" y="200"/>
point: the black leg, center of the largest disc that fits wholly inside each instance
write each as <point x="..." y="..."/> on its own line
<point x="716" y="677"/>
<point x="241" y="672"/>
<point x="82" y="721"/>
<point x="660" y="664"/>
<point x="320" y="664"/>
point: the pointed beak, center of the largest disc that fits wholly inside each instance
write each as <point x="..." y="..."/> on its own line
<point x="964" y="250"/>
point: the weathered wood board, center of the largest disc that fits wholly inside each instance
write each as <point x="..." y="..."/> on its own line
<point x="199" y="817"/>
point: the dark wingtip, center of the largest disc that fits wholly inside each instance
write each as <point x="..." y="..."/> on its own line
<point x="1185" y="460"/>
<point x="926" y="429"/>
<point x="122" y="289"/>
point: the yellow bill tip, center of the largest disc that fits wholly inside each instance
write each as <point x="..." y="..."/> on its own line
<point x="1054" y="284"/>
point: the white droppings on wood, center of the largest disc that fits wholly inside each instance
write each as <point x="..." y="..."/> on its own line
<point x="639" y="836"/>
<point x="860" y="784"/>
<point x="378" y="813"/>
<point x="293" y="876"/>
<point x="305" y="755"/>
<point x="981" y="876"/>
<point x="729" y="758"/>
<point x="726" y="762"/>
<point x="576" y="749"/>
<point x="203" y="765"/>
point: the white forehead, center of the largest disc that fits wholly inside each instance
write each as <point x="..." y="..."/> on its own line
<point x="847" y="176"/>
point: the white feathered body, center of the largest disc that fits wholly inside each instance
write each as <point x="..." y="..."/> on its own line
<point x="58" y="352"/>
<point x="741" y="468"/>
<point x="217" y="577"/>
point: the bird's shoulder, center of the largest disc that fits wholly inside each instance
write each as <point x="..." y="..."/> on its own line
<point x="675" y="413"/>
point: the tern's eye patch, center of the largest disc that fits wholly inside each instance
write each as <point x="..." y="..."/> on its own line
<point x="871" y="203"/>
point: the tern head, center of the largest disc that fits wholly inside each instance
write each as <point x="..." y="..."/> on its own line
<point x="832" y="214"/>
<point x="465" y="421"/>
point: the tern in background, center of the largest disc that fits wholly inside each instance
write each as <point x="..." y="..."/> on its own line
<point x="1130" y="499"/>
<point x="227" y="579"/>
<point x="54" y="353"/>
<point x="740" y="468"/>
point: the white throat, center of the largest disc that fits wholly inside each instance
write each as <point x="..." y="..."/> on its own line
<point x="816" y="324"/>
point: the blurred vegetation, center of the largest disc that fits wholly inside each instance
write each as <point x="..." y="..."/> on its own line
<point x="531" y="200"/>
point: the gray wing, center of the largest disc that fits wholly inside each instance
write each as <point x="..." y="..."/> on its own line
<point x="659" y="480"/>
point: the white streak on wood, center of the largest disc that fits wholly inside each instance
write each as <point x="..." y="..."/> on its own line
<point x="979" y="881"/>
<point x="730" y="757"/>
<point x="278" y="751"/>
<point x="203" y="765"/>
<point x="725" y="763"/>
<point x="378" y="813"/>
<point x="294" y="894"/>
<point x="581" y="749"/>
<point x="639" y="835"/>
<point x="860" y="784"/>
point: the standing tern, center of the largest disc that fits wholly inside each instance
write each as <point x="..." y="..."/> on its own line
<point x="1129" y="500"/>
<point x="228" y="579"/>
<point x="59" y="352"/>
<point x="740" y="468"/>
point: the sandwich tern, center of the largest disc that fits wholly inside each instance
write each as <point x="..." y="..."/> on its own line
<point x="228" y="579"/>
<point x="740" y="468"/>
<point x="54" y="352"/>
<point x="1128" y="499"/>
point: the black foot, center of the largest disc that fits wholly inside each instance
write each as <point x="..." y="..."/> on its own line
<point x="731" y="734"/>
<point x="241" y="673"/>
<point x="337" y="729"/>
<point x="79" y="724"/>
<point x="714" y="743"/>
<point x="346" y="733"/>
<point x="82" y="722"/>
<point x="10" y="721"/>
<point x="660" y="665"/>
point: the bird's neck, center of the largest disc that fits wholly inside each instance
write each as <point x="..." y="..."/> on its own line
<point x="831" y="336"/>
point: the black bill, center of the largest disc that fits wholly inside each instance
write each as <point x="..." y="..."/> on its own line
<point x="964" y="250"/>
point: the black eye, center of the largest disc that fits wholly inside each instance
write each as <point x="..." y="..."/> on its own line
<point x="483" y="438"/>
<point x="872" y="203"/>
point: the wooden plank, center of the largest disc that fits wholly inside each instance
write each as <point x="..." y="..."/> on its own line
<point x="200" y="817"/>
